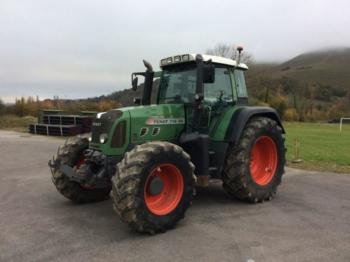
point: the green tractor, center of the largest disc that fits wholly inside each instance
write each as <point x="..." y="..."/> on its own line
<point x="153" y="155"/>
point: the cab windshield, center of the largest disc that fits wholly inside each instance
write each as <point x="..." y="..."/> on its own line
<point x="178" y="85"/>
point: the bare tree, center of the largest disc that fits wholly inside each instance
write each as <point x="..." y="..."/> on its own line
<point x="2" y="107"/>
<point x="229" y="51"/>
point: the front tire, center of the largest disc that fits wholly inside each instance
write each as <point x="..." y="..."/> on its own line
<point x="72" y="154"/>
<point x="254" y="167"/>
<point x="153" y="186"/>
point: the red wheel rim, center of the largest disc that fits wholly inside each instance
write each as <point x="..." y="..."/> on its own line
<point x="80" y="161"/>
<point x="263" y="161"/>
<point x="171" y="192"/>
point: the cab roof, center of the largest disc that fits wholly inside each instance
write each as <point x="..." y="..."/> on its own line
<point x="177" y="59"/>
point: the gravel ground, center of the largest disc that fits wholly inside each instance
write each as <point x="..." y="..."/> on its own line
<point x="307" y="221"/>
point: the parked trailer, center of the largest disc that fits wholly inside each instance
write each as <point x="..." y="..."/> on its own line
<point x="55" y="130"/>
<point x="57" y="123"/>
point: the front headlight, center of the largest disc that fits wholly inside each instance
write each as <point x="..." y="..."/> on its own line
<point x="103" y="138"/>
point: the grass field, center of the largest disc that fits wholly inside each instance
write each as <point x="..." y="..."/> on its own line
<point x="322" y="146"/>
<point x="16" y="123"/>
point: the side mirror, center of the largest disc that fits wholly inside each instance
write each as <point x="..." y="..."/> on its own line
<point x="134" y="82"/>
<point x="137" y="100"/>
<point x="208" y="73"/>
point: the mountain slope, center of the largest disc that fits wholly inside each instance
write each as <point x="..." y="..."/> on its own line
<point x="328" y="67"/>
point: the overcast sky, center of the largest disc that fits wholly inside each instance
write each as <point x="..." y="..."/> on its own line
<point x="82" y="48"/>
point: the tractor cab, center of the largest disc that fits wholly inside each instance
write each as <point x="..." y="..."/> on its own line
<point x="209" y="83"/>
<point x="206" y="85"/>
<point x="222" y="81"/>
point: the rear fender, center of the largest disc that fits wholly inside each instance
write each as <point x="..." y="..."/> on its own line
<point x="242" y="116"/>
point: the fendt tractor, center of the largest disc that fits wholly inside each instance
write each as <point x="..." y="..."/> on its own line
<point x="152" y="156"/>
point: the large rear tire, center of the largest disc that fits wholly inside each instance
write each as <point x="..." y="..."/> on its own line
<point x="153" y="186"/>
<point x="72" y="154"/>
<point x="254" y="167"/>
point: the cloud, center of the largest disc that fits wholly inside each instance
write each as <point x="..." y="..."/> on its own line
<point x="83" y="48"/>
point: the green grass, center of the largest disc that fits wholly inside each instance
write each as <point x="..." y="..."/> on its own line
<point x="10" y="122"/>
<point x="322" y="146"/>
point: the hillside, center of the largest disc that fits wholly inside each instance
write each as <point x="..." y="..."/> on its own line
<point x="329" y="67"/>
<point x="313" y="85"/>
<point x="126" y="97"/>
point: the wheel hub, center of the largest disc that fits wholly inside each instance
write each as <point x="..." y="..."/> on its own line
<point x="263" y="161"/>
<point x="163" y="190"/>
<point x="156" y="186"/>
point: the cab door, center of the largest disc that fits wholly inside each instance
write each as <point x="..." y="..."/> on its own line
<point x="218" y="97"/>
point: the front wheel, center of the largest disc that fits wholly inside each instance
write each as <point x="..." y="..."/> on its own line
<point x="72" y="154"/>
<point x="254" y="167"/>
<point x="153" y="186"/>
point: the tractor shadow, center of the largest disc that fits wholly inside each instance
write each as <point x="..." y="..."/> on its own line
<point x="214" y="193"/>
<point x="99" y="219"/>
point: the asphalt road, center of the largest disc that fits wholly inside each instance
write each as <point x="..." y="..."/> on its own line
<point x="309" y="220"/>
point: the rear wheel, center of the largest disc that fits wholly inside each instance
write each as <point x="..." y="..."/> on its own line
<point x="254" y="167"/>
<point x="72" y="154"/>
<point x="153" y="186"/>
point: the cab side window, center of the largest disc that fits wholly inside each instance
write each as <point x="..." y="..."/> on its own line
<point x="240" y="83"/>
<point x="221" y="89"/>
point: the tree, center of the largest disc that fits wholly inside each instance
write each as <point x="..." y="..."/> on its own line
<point x="338" y="110"/>
<point x="324" y="92"/>
<point x="19" y="107"/>
<point x="279" y="103"/>
<point x="291" y="114"/>
<point x="2" y="107"/>
<point x="105" y="105"/>
<point x="229" y="51"/>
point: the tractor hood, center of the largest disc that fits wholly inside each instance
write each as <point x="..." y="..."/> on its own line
<point x="156" y="122"/>
<point x="127" y="126"/>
